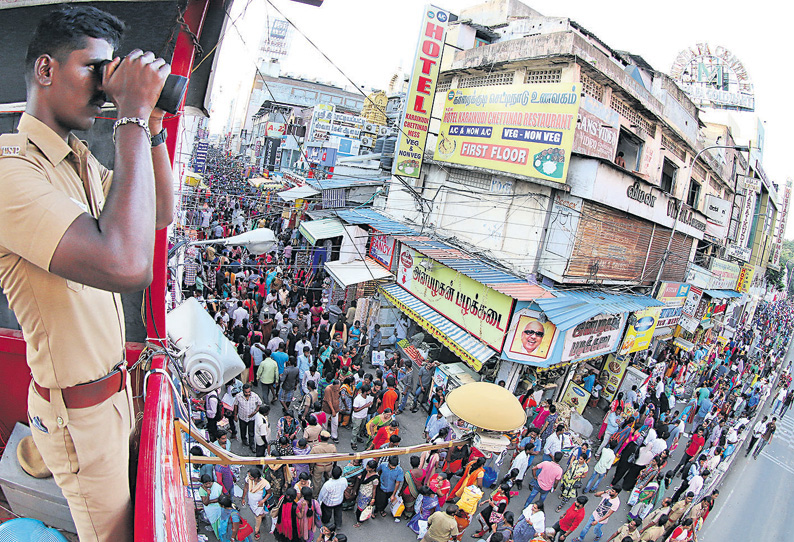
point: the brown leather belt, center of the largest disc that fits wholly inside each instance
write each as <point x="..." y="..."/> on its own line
<point x="91" y="393"/>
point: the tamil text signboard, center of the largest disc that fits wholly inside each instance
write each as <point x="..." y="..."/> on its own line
<point x="480" y="310"/>
<point x="521" y="129"/>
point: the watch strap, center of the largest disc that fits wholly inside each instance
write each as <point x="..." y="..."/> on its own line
<point x="159" y="138"/>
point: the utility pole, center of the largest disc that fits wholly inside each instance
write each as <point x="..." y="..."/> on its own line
<point x="739" y="148"/>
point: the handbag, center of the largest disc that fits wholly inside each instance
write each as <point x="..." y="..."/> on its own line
<point x="365" y="514"/>
<point x="276" y="509"/>
<point x="244" y="530"/>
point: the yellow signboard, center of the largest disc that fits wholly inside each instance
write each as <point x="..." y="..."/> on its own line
<point x="745" y="278"/>
<point x="639" y="336"/>
<point x="480" y="310"/>
<point x="576" y="396"/>
<point x="612" y="375"/>
<point x="522" y="129"/>
<point x="419" y="102"/>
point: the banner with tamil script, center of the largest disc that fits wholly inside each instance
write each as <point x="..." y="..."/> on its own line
<point x="522" y="129"/>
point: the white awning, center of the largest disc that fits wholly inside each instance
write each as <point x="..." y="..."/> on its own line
<point x="357" y="271"/>
<point x="299" y="192"/>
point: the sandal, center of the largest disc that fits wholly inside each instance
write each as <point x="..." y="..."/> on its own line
<point x="356" y="525"/>
<point x="257" y="536"/>
<point x="383" y="514"/>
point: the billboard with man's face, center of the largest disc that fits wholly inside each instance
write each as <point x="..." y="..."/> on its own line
<point x="528" y="338"/>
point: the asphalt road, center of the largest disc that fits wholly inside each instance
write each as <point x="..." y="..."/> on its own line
<point x="755" y="496"/>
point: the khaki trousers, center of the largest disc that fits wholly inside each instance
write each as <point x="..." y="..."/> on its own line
<point x="87" y="450"/>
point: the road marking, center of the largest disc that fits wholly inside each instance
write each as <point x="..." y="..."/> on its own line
<point x="779" y="463"/>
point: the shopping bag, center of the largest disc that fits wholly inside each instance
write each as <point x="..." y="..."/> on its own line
<point x="470" y="499"/>
<point x="365" y="514"/>
<point x="422" y="525"/>
<point x="244" y="530"/>
<point x="397" y="507"/>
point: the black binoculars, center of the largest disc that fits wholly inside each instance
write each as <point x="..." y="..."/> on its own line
<point x="172" y="94"/>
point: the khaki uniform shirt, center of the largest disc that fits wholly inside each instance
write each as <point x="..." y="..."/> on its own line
<point x="441" y="527"/>
<point x="323" y="448"/>
<point x="74" y="333"/>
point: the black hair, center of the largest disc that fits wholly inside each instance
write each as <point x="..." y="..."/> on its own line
<point x="225" y="501"/>
<point x="414" y="461"/>
<point x="65" y="30"/>
<point x="336" y="472"/>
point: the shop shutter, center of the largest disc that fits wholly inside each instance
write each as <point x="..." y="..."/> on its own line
<point x="610" y="245"/>
<point x="675" y="267"/>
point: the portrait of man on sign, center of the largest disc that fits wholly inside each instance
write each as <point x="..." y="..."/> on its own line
<point x="529" y="338"/>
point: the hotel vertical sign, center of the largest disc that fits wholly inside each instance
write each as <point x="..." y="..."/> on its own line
<point x="422" y="90"/>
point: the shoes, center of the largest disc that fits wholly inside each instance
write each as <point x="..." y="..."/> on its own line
<point x="353" y="446"/>
<point x="414" y="410"/>
<point x="245" y="442"/>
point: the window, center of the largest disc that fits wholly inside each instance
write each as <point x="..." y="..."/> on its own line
<point x="669" y="171"/>
<point x="336" y="100"/>
<point x="631" y="147"/>
<point x="694" y="194"/>
<point x="630" y="114"/>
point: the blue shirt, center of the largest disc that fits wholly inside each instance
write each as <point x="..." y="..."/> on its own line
<point x="589" y="382"/>
<point x="281" y="359"/>
<point x="389" y="477"/>
<point x="705" y="407"/>
<point x="612" y="422"/>
<point x="537" y="444"/>
<point x="303" y="364"/>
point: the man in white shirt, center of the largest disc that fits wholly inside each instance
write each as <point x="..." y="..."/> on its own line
<point x="331" y="496"/>
<point x="521" y="463"/>
<point x="758" y="430"/>
<point x="361" y="404"/>
<point x="274" y="343"/>
<point x="553" y="443"/>
<point x="301" y="344"/>
<point x="239" y="314"/>
<point x="261" y="430"/>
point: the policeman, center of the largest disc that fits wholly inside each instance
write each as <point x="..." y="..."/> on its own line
<point x="73" y="235"/>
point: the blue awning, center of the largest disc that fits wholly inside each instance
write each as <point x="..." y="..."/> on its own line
<point x="454" y="337"/>
<point x="722" y="294"/>
<point x="571" y="308"/>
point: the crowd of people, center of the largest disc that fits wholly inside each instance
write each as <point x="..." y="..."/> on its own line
<point x="310" y="375"/>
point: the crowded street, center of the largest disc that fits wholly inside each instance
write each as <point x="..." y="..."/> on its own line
<point x="355" y="271"/>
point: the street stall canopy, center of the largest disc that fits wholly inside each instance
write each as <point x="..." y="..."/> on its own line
<point x="261" y="182"/>
<point x="325" y="228"/>
<point x="299" y="192"/>
<point x="571" y="308"/>
<point x="454" y="337"/>
<point x="487" y="406"/>
<point x="722" y="294"/>
<point x="355" y="272"/>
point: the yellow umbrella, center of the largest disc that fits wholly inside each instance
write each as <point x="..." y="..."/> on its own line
<point x="487" y="406"/>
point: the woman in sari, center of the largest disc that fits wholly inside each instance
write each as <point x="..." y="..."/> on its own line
<point x="439" y="484"/>
<point x="645" y="501"/>
<point x="426" y="504"/>
<point x="302" y="448"/>
<point x="210" y="492"/>
<point x="229" y="522"/>
<point x="455" y="459"/>
<point x="287" y="518"/>
<point x="618" y="402"/>
<point x="575" y="473"/>
<point x="369" y="480"/>
<point x="310" y="516"/>
<point x="472" y="475"/>
<point x="413" y="481"/>
<point x="645" y="477"/>
<point x="431" y="460"/>
<point x="256" y="492"/>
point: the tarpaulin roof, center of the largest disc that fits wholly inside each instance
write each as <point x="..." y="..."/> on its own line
<point x="457" y="339"/>
<point x="357" y="271"/>
<point x="571" y="308"/>
<point x="324" y="228"/>
<point x="299" y="192"/>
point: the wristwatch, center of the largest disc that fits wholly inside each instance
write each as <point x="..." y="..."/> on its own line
<point x="159" y="138"/>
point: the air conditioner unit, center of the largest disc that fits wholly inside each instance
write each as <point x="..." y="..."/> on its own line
<point x="370" y="128"/>
<point x="366" y="141"/>
<point x="383" y="130"/>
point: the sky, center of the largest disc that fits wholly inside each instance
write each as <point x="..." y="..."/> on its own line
<point x="370" y="39"/>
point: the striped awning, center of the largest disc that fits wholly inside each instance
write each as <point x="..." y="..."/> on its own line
<point x="458" y="340"/>
<point x="572" y="307"/>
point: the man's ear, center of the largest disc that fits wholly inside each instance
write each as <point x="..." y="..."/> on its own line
<point x="43" y="70"/>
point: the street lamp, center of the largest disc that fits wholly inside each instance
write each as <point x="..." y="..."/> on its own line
<point x="258" y="241"/>
<point x="738" y="148"/>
